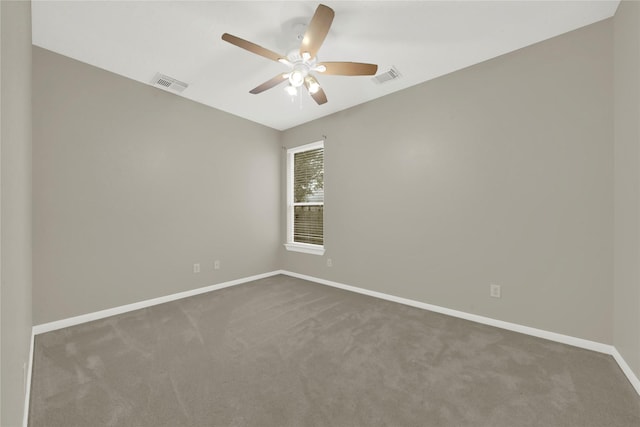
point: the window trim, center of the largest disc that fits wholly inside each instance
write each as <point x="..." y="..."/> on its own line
<point x="307" y="248"/>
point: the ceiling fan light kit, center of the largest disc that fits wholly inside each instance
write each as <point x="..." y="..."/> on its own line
<point x="291" y="90"/>
<point x="303" y="61"/>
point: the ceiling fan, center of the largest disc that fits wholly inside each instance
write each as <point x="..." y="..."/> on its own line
<point x="303" y="62"/>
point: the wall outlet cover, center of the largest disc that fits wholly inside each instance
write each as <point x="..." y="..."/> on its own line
<point x="494" y="290"/>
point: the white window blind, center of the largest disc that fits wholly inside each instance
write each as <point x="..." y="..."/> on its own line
<point x="305" y="194"/>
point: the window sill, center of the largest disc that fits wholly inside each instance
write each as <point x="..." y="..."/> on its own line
<point x="305" y="248"/>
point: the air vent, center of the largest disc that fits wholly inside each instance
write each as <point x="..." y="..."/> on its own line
<point x="392" y="74"/>
<point x="169" y="83"/>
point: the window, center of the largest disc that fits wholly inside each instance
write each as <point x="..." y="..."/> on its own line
<point x="305" y="198"/>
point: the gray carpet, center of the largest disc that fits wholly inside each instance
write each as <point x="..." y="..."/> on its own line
<point x="285" y="352"/>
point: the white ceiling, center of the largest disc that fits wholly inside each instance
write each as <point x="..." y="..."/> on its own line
<point x="422" y="39"/>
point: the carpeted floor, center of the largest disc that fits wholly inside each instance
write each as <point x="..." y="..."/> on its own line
<point x="284" y="352"/>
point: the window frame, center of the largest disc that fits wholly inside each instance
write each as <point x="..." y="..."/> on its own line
<point x="290" y="245"/>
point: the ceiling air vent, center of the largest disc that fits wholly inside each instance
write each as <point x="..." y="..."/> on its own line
<point x="392" y="74"/>
<point x="168" y="83"/>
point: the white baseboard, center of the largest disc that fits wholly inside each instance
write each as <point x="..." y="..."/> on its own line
<point x="553" y="336"/>
<point x="71" y="321"/>
<point x="27" y="395"/>
<point x="565" y="339"/>
<point x="83" y="318"/>
<point x="540" y="333"/>
<point x="633" y="379"/>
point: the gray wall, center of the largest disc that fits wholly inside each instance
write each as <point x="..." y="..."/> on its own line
<point x="499" y="173"/>
<point x="133" y="185"/>
<point x="627" y="184"/>
<point x="15" y="202"/>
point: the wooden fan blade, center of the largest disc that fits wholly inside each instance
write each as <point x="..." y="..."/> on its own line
<point x="319" y="96"/>
<point x="349" y="68"/>
<point x="317" y="30"/>
<point x="252" y="47"/>
<point x="269" y="84"/>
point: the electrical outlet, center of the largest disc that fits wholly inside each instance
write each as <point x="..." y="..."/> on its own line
<point x="196" y="268"/>
<point x="329" y="262"/>
<point x="216" y="264"/>
<point x="494" y="290"/>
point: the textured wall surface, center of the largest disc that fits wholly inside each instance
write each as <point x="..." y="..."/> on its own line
<point x="499" y="173"/>
<point x="627" y="184"/>
<point x="134" y="185"/>
<point x="15" y="271"/>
